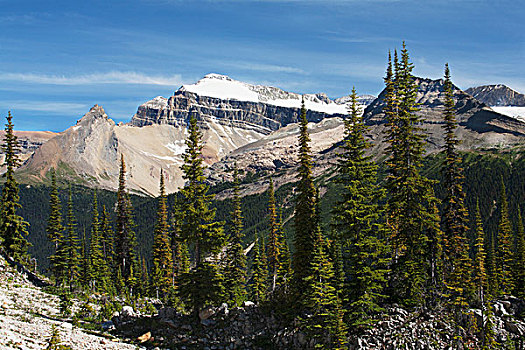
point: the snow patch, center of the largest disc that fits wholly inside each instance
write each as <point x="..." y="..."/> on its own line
<point x="513" y="112"/>
<point x="178" y="147"/>
<point x="158" y="102"/>
<point x="226" y="88"/>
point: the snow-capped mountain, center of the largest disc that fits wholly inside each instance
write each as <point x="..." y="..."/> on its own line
<point x="226" y="101"/>
<point x="251" y="125"/>
<point x="231" y="114"/>
<point x="226" y="88"/>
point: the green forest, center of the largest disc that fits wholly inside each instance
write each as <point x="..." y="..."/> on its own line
<point x="436" y="232"/>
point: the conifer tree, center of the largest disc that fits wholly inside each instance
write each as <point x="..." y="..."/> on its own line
<point x="325" y="323"/>
<point x="358" y="221"/>
<point x="203" y="284"/>
<point x="504" y="254"/>
<point x="55" y="234"/>
<point x="339" y="270"/>
<point x="273" y="248"/>
<point x="411" y="202"/>
<point x="98" y="268"/>
<point x="480" y="274"/>
<point x="119" y="282"/>
<point x="259" y="272"/>
<point x="13" y="228"/>
<point x="145" y="280"/>
<point x="107" y="237"/>
<point x="125" y="243"/>
<point x="481" y="284"/>
<point x="181" y="259"/>
<point x="162" y="263"/>
<point x="488" y="340"/>
<point x="435" y="270"/>
<point x="305" y="216"/>
<point x="285" y="272"/>
<point x="455" y="216"/>
<point x="235" y="269"/>
<point x="132" y="281"/>
<point x="490" y="262"/>
<point x="54" y="342"/>
<point x="72" y="245"/>
<point x="85" y="268"/>
<point x="519" y="259"/>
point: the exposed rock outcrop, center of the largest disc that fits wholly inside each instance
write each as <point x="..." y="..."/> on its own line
<point x="479" y="127"/>
<point x="29" y="141"/>
<point x="89" y="152"/>
<point x="497" y="95"/>
<point x="249" y="327"/>
<point x="27" y="315"/>
<point x="251" y="125"/>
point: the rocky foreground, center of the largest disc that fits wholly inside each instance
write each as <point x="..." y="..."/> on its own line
<point x="27" y="314"/>
<point x="247" y="327"/>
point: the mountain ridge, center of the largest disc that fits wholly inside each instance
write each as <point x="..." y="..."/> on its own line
<point x="256" y="135"/>
<point x="497" y="95"/>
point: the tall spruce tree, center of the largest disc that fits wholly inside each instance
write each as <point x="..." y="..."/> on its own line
<point x="519" y="259"/>
<point x="411" y="202"/>
<point x="490" y="263"/>
<point x="145" y="280"/>
<point x="203" y="284"/>
<point x="259" y="272"/>
<point x="481" y="284"/>
<point x="108" y="236"/>
<point x="125" y="242"/>
<point x="305" y="215"/>
<point x="162" y="256"/>
<point x="455" y="216"/>
<point x="13" y="227"/>
<point x="325" y="320"/>
<point x="99" y="273"/>
<point x="72" y="245"/>
<point x="358" y="222"/>
<point x="84" y="277"/>
<point x="285" y="272"/>
<point x="504" y="243"/>
<point x="55" y="234"/>
<point x="181" y="258"/>
<point x="235" y="269"/>
<point x="273" y="246"/>
<point x="480" y="273"/>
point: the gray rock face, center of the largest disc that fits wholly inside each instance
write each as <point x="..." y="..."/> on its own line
<point x="252" y="327"/>
<point x="253" y="126"/>
<point x="364" y="100"/>
<point x="471" y="113"/>
<point x="29" y="142"/>
<point x="260" y="117"/>
<point x="497" y="95"/>
<point x="479" y="125"/>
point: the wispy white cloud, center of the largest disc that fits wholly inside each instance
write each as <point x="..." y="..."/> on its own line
<point x="62" y="108"/>
<point x="113" y="77"/>
<point x="262" y="67"/>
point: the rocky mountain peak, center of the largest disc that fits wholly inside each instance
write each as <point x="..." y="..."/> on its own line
<point x="497" y="95"/>
<point x="363" y="100"/>
<point x="96" y="112"/>
<point x="216" y="76"/>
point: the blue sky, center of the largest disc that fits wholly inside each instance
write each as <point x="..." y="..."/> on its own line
<point x="58" y="58"/>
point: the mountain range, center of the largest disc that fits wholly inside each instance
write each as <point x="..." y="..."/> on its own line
<point x="251" y="125"/>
